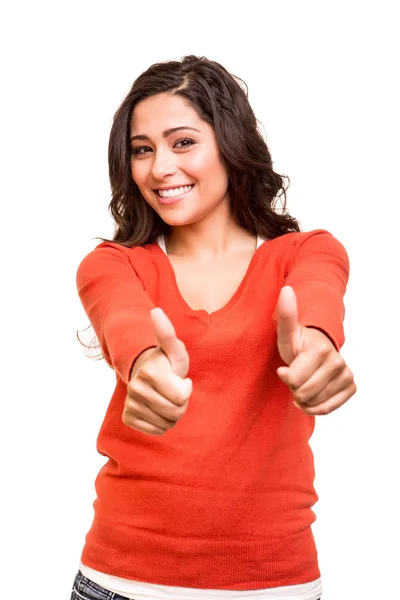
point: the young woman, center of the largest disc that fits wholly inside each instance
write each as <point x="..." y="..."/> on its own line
<point x="223" y="323"/>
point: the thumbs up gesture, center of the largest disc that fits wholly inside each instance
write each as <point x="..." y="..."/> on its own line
<point x="158" y="391"/>
<point x="317" y="374"/>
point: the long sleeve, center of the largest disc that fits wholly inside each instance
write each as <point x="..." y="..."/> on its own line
<point x="117" y="305"/>
<point x="318" y="271"/>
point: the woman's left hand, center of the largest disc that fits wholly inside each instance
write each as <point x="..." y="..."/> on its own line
<point x="317" y="374"/>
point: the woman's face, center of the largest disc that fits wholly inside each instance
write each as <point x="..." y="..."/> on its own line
<point x="176" y="149"/>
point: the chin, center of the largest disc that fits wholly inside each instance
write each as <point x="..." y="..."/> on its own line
<point x="178" y="220"/>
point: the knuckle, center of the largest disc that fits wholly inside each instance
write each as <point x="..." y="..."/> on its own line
<point x="172" y="416"/>
<point x="133" y="387"/>
<point x="351" y="389"/>
<point x="175" y="413"/>
<point x="149" y="429"/>
<point x="325" y="349"/>
<point x="167" y="411"/>
<point x="324" y="410"/>
<point x="180" y="397"/>
<point x="144" y="426"/>
<point x="127" y="419"/>
<point x="131" y="408"/>
<point x="181" y="411"/>
<point x="338" y="362"/>
<point x="293" y="382"/>
<point x="300" y="396"/>
<point x="157" y="431"/>
<point x="147" y="372"/>
<point x="348" y="376"/>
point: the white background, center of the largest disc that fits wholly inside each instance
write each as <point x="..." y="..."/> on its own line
<point x="322" y="80"/>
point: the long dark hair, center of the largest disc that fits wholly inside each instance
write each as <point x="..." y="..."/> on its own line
<point x="219" y="99"/>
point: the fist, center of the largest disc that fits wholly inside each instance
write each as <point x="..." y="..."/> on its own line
<point x="159" y="391"/>
<point x="316" y="373"/>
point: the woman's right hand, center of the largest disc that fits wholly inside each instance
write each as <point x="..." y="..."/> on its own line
<point x="158" y="391"/>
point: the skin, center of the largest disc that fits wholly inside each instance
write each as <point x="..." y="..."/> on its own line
<point x="202" y="225"/>
<point x="204" y="230"/>
<point x="317" y="374"/>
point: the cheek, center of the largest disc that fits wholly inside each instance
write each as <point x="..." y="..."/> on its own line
<point x="135" y="171"/>
<point x="217" y="176"/>
<point x="139" y="171"/>
<point x="208" y="168"/>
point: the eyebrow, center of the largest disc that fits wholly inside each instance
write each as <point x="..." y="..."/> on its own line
<point x="166" y="133"/>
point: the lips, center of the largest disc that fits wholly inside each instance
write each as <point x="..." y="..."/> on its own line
<point x="173" y="199"/>
<point x="173" y="187"/>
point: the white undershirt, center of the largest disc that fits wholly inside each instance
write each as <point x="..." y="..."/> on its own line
<point x="161" y="242"/>
<point x="151" y="591"/>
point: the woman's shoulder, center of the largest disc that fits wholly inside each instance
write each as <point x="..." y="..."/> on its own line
<point x="296" y="236"/>
<point x="314" y="237"/>
<point x="305" y="245"/>
<point x="109" y="255"/>
<point x="143" y="252"/>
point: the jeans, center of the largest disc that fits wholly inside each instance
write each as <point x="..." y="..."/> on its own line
<point x="86" y="589"/>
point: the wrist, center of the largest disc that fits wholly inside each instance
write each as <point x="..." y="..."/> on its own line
<point x="143" y="356"/>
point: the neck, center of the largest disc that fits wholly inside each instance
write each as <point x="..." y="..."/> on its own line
<point x="209" y="240"/>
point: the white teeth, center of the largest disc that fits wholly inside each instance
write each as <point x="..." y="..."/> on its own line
<point x="174" y="192"/>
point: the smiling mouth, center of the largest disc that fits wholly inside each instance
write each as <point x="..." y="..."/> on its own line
<point x="174" y="192"/>
<point x="173" y="198"/>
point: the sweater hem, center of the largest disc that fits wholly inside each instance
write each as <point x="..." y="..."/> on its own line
<point x="230" y="564"/>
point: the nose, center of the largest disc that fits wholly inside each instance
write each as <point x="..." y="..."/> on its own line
<point x="163" y="164"/>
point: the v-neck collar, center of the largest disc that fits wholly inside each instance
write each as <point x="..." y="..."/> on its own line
<point x="213" y="317"/>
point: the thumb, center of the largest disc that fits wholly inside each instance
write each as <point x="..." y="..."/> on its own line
<point x="172" y="347"/>
<point x="288" y="326"/>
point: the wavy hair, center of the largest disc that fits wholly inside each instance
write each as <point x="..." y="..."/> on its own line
<point x="220" y="99"/>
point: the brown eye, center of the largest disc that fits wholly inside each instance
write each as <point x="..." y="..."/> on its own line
<point x="140" y="149"/>
<point x="187" y="143"/>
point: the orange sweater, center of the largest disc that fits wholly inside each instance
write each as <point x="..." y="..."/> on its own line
<point x="224" y="500"/>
